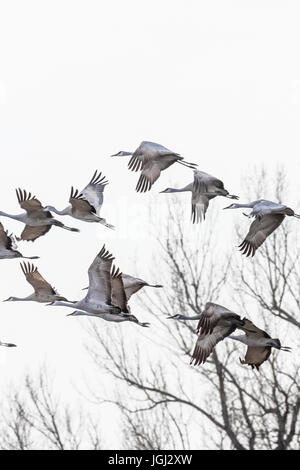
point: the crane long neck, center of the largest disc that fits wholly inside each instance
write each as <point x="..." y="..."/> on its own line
<point x="11" y="216"/>
<point x="65" y="211"/>
<point x="193" y="317"/>
<point x="180" y="190"/>
<point x="61" y="303"/>
<point x="123" y="153"/>
<point x="249" y="205"/>
<point x="28" y="298"/>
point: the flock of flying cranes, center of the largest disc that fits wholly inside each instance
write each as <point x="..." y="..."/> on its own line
<point x="109" y="290"/>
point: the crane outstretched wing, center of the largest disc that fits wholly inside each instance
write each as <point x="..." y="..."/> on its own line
<point x="36" y="280"/>
<point x="118" y="295"/>
<point x="252" y="330"/>
<point x="146" y="152"/>
<point x="211" y="315"/>
<point x="31" y="204"/>
<point x="259" y="230"/>
<point x="31" y="233"/>
<point x="206" y="343"/>
<point x="132" y="285"/>
<point x="6" y="241"/>
<point x="151" y="172"/>
<point x="78" y="203"/>
<point x="255" y="356"/>
<point x="200" y="203"/>
<point x="93" y="192"/>
<point x="99" y="290"/>
<point x="203" y="181"/>
<point x="151" y="158"/>
<point x="34" y="208"/>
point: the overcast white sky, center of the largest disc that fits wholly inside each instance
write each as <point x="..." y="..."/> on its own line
<point x="217" y="81"/>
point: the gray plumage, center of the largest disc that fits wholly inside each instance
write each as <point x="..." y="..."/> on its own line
<point x="43" y="291"/>
<point x="37" y="220"/>
<point x="151" y="159"/>
<point x="85" y="205"/>
<point x="215" y="323"/>
<point x="132" y="285"/>
<point x="204" y="188"/>
<point x="268" y="217"/>
<point x="106" y="296"/>
<point x="259" y="344"/>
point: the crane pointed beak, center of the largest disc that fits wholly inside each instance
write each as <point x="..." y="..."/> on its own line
<point x="172" y="316"/>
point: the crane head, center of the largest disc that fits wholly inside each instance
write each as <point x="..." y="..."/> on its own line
<point x="232" y="206"/>
<point x="121" y="154"/>
<point x="167" y="190"/>
<point x="178" y="316"/>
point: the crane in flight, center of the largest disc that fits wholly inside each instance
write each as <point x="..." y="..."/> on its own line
<point x="151" y="159"/>
<point x="106" y="297"/>
<point x="259" y="344"/>
<point x="43" y="291"/>
<point x="204" y="188"/>
<point x="216" y="323"/>
<point x="86" y="204"/>
<point x="268" y="216"/>
<point x="37" y="220"/>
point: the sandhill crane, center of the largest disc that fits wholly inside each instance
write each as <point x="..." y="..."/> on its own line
<point x="204" y="188"/>
<point x="152" y="159"/>
<point x="86" y="204"/>
<point x="106" y="296"/>
<point x="268" y="216"/>
<point x="215" y="324"/>
<point x="38" y="221"/>
<point x="43" y="291"/>
<point x="8" y="247"/>
<point x="133" y="284"/>
<point x="8" y="345"/>
<point x="259" y="344"/>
